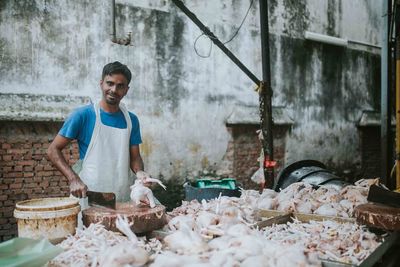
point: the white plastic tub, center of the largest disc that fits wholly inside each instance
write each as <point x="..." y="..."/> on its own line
<point x="50" y="218"/>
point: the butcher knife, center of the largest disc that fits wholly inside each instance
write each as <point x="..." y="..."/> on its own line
<point x="102" y="199"/>
<point x="381" y="195"/>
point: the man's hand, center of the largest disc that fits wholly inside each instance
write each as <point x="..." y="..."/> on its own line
<point x="147" y="180"/>
<point x="78" y="188"/>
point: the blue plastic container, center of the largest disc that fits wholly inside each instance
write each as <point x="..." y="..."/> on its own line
<point x="209" y="189"/>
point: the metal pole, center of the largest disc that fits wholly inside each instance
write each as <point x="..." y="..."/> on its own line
<point x="265" y="98"/>
<point x="397" y="96"/>
<point x="215" y="40"/>
<point x="385" y="85"/>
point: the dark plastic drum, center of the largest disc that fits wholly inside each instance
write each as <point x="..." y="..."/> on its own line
<point x="308" y="171"/>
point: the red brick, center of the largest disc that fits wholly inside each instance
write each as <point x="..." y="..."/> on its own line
<point x="5" y="146"/>
<point x="3" y="186"/>
<point x="7" y="180"/>
<point x="16" y="151"/>
<point x="4" y="233"/>
<point x="28" y="174"/>
<point x="48" y="168"/>
<point x="37" y="179"/>
<point x="38" y="152"/>
<point x="45" y="145"/>
<point x="6" y="209"/>
<point x="28" y="191"/>
<point x="44" y="184"/>
<point x="38" y="191"/>
<point x="37" y="145"/>
<point x="27" y="145"/>
<point x="28" y="168"/>
<point x="7" y="168"/>
<point x="31" y="185"/>
<point x="38" y="168"/>
<point x="48" y="173"/>
<point x="18" y="168"/>
<point x="6" y="226"/>
<point x="26" y="163"/>
<point x="28" y="180"/>
<point x="28" y="156"/>
<point x="9" y="203"/>
<point x="38" y="157"/>
<point x="7" y="157"/>
<point x="15" y="186"/>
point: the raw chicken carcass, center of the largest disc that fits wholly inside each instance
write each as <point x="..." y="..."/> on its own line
<point x="146" y="178"/>
<point x="124" y="254"/>
<point x="185" y="241"/>
<point x="141" y="193"/>
<point x="177" y="222"/>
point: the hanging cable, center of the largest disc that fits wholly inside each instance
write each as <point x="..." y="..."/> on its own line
<point x="241" y="24"/>
<point x="230" y="39"/>
<point x="197" y="52"/>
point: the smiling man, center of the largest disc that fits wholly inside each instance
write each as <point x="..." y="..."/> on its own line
<point x="108" y="138"/>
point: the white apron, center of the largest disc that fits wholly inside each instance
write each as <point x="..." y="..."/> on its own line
<point x="106" y="166"/>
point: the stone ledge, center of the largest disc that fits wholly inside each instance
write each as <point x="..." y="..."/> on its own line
<point x="32" y="107"/>
<point x="372" y="118"/>
<point x="250" y="115"/>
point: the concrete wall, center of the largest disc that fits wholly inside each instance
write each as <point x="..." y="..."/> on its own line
<point x="182" y="100"/>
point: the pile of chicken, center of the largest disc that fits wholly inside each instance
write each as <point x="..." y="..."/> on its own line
<point x="343" y="242"/>
<point x="223" y="232"/>
<point x="326" y="200"/>
<point x="96" y="246"/>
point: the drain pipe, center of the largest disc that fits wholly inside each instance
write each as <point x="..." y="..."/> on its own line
<point x="385" y="85"/>
<point x="114" y="33"/>
<point x="335" y="40"/>
<point x="121" y="41"/>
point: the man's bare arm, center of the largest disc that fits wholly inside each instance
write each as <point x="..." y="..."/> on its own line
<point x="54" y="152"/>
<point x="136" y="161"/>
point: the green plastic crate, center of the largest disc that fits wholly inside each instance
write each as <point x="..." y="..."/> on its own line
<point x="226" y="183"/>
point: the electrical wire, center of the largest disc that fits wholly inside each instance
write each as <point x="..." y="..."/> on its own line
<point x="211" y="37"/>
<point x="241" y="24"/>
<point x="197" y="52"/>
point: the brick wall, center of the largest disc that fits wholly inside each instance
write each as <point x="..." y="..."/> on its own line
<point x="370" y="152"/>
<point x="25" y="172"/>
<point x="245" y="148"/>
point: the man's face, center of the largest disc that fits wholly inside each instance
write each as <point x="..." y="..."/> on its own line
<point x="114" y="88"/>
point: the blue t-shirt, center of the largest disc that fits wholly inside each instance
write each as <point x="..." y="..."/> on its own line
<point x="80" y="125"/>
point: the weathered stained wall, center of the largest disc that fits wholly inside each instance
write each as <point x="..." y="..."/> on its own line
<point x="182" y="100"/>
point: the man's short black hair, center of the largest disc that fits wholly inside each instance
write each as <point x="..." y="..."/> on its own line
<point x="117" y="68"/>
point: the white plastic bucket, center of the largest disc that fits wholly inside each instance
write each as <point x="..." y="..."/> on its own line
<point x="50" y="218"/>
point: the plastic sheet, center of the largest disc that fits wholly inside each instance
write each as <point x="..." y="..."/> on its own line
<point x="27" y="252"/>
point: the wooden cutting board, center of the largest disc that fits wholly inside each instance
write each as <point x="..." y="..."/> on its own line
<point x="144" y="219"/>
<point x="378" y="216"/>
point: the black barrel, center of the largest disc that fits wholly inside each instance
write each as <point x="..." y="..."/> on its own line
<point x="308" y="171"/>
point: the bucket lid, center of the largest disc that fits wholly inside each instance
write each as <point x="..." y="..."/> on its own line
<point x="47" y="204"/>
